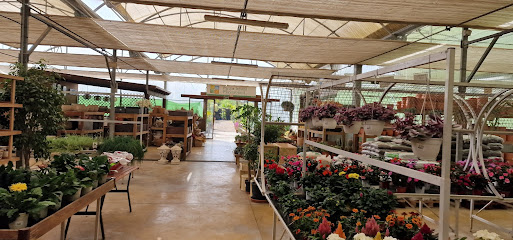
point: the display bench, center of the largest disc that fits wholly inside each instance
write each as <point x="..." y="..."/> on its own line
<point x="131" y="129"/>
<point x="58" y="218"/>
<point x="473" y="123"/>
<point x="11" y="105"/>
<point x="181" y="132"/>
<point x="82" y="129"/>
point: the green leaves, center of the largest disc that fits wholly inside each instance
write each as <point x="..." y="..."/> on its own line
<point x="126" y="144"/>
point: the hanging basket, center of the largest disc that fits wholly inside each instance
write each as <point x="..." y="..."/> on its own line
<point x="373" y="127"/>
<point x="428" y="149"/>
<point x="316" y="122"/>
<point x="329" y="123"/>
<point x="353" y="129"/>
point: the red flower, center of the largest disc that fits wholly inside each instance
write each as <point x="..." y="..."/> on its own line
<point x="80" y="168"/>
<point x="425" y="229"/>
<point x="280" y="171"/>
<point x="324" y="228"/>
<point x="418" y="237"/>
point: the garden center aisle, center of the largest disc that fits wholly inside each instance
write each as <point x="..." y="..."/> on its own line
<point x="219" y="149"/>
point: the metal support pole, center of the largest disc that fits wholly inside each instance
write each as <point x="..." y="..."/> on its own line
<point x="357" y="86"/>
<point x="25" y="14"/>
<point x="457" y="203"/>
<point x="113" y="90"/>
<point x="147" y="90"/>
<point x="39" y="40"/>
<point x="164" y="101"/>
<point x="445" y="188"/>
<point x="465" y="33"/>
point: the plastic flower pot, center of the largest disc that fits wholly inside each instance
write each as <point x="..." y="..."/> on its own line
<point x="95" y="184"/>
<point x="353" y="129"/>
<point x="102" y="179"/>
<point x="86" y="190"/>
<point x="58" y="203"/>
<point x="41" y="214"/>
<point x="20" y="222"/>
<point x="75" y="196"/>
<point x="428" y="149"/>
<point x="256" y="194"/>
<point x="373" y="127"/>
<point x="329" y="123"/>
<point x="401" y="189"/>
<point x="316" y="122"/>
<point x="247" y="186"/>
<point x="420" y="189"/>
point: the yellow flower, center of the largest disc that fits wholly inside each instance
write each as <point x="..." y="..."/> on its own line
<point x="341" y="173"/>
<point x="353" y="175"/>
<point x="18" y="187"/>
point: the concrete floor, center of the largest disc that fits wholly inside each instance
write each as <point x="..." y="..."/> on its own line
<point x="196" y="200"/>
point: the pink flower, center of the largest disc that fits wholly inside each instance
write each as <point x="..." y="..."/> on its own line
<point x="80" y="168"/>
<point x="507" y="180"/>
<point x="505" y="174"/>
<point x="501" y="177"/>
<point x="324" y="228"/>
<point x="490" y="174"/>
<point x="371" y="227"/>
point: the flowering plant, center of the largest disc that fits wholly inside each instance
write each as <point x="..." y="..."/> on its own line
<point x="274" y="172"/>
<point x="293" y="166"/>
<point x="19" y="199"/>
<point x="406" y="226"/>
<point x="144" y="103"/>
<point x="347" y="116"/>
<point x="307" y="113"/>
<point x="375" y="111"/>
<point x="371" y="174"/>
<point x="485" y="235"/>
<point x="409" y="130"/>
<point x="306" y="222"/>
<point x="327" y="110"/>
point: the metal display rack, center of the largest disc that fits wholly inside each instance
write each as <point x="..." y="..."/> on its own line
<point x="474" y="125"/>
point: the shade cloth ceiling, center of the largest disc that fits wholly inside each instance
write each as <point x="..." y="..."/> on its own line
<point x="98" y="61"/>
<point x="203" y="42"/>
<point x="441" y="12"/>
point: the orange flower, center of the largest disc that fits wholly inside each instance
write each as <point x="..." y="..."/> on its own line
<point x="296" y="218"/>
<point x="391" y="223"/>
<point x="292" y="214"/>
<point x="409" y="226"/>
<point x="314" y="231"/>
<point x="308" y="215"/>
<point x="363" y="211"/>
<point x="389" y="217"/>
<point x="416" y="221"/>
<point x="299" y="210"/>
<point x="316" y="220"/>
<point x="377" y="217"/>
<point x="298" y="231"/>
<point x="400" y="218"/>
<point x="358" y="224"/>
<point x="355" y="210"/>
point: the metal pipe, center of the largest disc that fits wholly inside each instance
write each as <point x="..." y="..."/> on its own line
<point x="483" y="57"/>
<point x="39" y="40"/>
<point x="25" y="14"/>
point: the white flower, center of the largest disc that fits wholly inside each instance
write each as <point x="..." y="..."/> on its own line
<point x="485" y="235"/>
<point x="361" y="236"/>
<point x="389" y="238"/>
<point x="334" y="236"/>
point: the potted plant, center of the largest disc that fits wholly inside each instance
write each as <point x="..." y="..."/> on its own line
<point x="288" y="106"/>
<point x="375" y="116"/>
<point x="123" y="144"/>
<point x="370" y="176"/>
<point x="326" y="113"/>
<point x="70" y="187"/>
<point x="306" y="115"/>
<point x="19" y="202"/>
<point x="426" y="138"/>
<point x="48" y="180"/>
<point x="351" y="119"/>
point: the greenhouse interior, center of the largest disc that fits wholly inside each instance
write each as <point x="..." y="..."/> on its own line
<point x="256" y="120"/>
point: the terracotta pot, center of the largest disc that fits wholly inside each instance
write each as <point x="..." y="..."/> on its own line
<point x="401" y="189"/>
<point x="390" y="132"/>
<point x="399" y="106"/>
<point x="411" y="102"/>
<point x="384" y="185"/>
<point x="509" y="138"/>
<point x="508" y="157"/>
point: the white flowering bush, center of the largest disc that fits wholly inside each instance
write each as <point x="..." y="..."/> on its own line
<point x="334" y="236"/>
<point x="361" y="236"/>
<point x="485" y="235"/>
<point x="389" y="238"/>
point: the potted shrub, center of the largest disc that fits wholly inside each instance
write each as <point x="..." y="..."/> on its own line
<point x="70" y="187"/>
<point x="351" y="119"/>
<point x="426" y="138"/>
<point x="48" y="180"/>
<point x="326" y="114"/>
<point x="375" y="116"/>
<point x="306" y="115"/>
<point x="19" y="202"/>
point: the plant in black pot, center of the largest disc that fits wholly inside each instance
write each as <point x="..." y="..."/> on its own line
<point x="250" y="153"/>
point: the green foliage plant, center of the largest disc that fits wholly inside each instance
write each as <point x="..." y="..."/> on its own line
<point x="41" y="114"/>
<point x="14" y="202"/>
<point x="126" y="144"/>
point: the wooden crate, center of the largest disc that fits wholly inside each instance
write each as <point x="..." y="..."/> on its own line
<point x="285" y="150"/>
<point x="270" y="150"/>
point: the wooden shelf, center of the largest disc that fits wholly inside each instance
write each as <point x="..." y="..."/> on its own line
<point x="82" y="131"/>
<point x="5" y="161"/>
<point x="179" y="118"/>
<point x="131" y="133"/>
<point x="8" y="133"/>
<point x="157" y="129"/>
<point x="131" y="115"/>
<point x="4" y="76"/>
<point x="9" y="105"/>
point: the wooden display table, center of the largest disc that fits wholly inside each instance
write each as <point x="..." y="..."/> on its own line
<point x="81" y="130"/>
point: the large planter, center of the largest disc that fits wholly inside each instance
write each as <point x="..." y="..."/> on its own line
<point x="353" y="129"/>
<point x="329" y="123"/>
<point x="20" y="222"/>
<point x="373" y="127"/>
<point x="75" y="196"/>
<point x="316" y="122"/>
<point x="428" y="149"/>
<point x="86" y="190"/>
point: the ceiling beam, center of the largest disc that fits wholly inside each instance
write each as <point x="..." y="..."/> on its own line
<point x="249" y="22"/>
